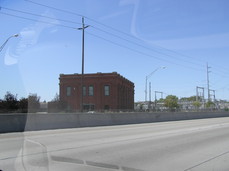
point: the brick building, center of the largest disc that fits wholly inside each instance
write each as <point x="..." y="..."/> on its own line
<point x="101" y="91"/>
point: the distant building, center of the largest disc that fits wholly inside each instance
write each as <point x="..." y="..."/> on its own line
<point x="43" y="106"/>
<point x="101" y="91"/>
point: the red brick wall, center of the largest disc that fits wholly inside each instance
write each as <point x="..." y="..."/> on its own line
<point x="121" y="91"/>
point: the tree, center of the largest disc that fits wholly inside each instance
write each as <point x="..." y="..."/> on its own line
<point x="190" y="99"/>
<point x="33" y="103"/>
<point x="23" y="105"/>
<point x="56" y="98"/>
<point x="171" y="102"/>
<point x="56" y="104"/>
<point x="210" y="104"/>
<point x="196" y="104"/>
<point x="10" y="103"/>
<point x="161" y="100"/>
<point x="1" y="106"/>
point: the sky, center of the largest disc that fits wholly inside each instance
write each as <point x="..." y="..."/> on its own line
<point x="132" y="37"/>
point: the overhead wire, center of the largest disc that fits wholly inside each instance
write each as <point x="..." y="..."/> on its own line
<point x="145" y="54"/>
<point x="68" y="21"/>
<point x="142" y="53"/>
<point x="80" y="15"/>
<point x="38" y="15"/>
<point x="160" y="47"/>
<point x="107" y="32"/>
<point x="45" y="22"/>
<point x="58" y="9"/>
<point x="114" y="29"/>
<point x="119" y="31"/>
<point x="221" y="70"/>
<point x="145" y="47"/>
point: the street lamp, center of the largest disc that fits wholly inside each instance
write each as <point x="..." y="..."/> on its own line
<point x="3" y="45"/>
<point x="148" y="76"/>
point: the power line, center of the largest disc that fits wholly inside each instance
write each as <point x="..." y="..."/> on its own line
<point x="139" y="52"/>
<point x="134" y="50"/>
<point x="142" y="53"/>
<point x="87" y="33"/>
<point x="119" y="31"/>
<point x="58" y="9"/>
<point x="63" y="20"/>
<point x="222" y="70"/>
<point x="114" y="29"/>
<point x="25" y="18"/>
<point x="68" y="21"/>
<point x="208" y="84"/>
<point x="143" y="46"/>
<point x="77" y="14"/>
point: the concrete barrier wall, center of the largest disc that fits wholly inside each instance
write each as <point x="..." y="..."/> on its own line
<point x="12" y="122"/>
<point x="32" y="122"/>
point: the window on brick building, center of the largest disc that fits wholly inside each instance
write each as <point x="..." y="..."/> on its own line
<point x="91" y="90"/>
<point x="106" y="107"/>
<point x="106" y="90"/>
<point x="69" y="91"/>
<point x="84" y="91"/>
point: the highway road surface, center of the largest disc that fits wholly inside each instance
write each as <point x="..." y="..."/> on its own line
<point x="192" y="145"/>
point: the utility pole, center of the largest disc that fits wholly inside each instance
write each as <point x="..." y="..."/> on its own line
<point x="148" y="76"/>
<point x="158" y="92"/>
<point x="156" y="97"/>
<point x="198" y="94"/>
<point x="149" y="105"/>
<point x="146" y="89"/>
<point x="213" y="91"/>
<point x="82" y="74"/>
<point x="208" y="81"/>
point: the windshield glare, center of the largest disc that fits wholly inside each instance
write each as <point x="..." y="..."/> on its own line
<point x="127" y="85"/>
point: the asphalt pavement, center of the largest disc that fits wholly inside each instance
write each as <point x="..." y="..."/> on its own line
<point x="190" y="145"/>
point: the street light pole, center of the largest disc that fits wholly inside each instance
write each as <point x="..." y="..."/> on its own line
<point x="209" y="98"/>
<point x="148" y="76"/>
<point x="82" y="74"/>
<point x="3" y="45"/>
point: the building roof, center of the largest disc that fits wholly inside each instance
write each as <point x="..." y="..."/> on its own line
<point x="91" y="75"/>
